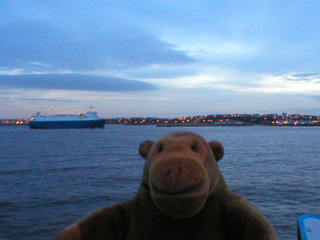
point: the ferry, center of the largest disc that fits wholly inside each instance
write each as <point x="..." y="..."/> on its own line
<point x="87" y="120"/>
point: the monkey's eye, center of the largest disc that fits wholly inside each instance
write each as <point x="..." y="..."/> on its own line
<point x="194" y="147"/>
<point x="160" y="148"/>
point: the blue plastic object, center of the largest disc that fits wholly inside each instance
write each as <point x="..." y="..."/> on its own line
<point x="309" y="227"/>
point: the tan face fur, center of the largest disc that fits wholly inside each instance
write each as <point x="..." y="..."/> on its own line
<point x="181" y="171"/>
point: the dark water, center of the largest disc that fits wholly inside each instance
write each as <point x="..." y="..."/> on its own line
<point x="50" y="178"/>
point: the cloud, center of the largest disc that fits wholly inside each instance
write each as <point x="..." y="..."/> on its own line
<point x="309" y="77"/>
<point x="47" y="100"/>
<point x="40" y="45"/>
<point x="288" y="83"/>
<point x="317" y="98"/>
<point x="78" y="82"/>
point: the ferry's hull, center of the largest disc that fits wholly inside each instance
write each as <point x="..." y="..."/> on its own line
<point x="96" y="123"/>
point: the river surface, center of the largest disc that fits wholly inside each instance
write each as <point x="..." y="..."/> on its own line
<point x="50" y="178"/>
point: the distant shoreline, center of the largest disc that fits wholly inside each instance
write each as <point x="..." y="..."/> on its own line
<point x="295" y="120"/>
<point x="212" y="125"/>
<point x="203" y="125"/>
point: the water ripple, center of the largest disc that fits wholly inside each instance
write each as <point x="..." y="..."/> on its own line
<point x="49" y="179"/>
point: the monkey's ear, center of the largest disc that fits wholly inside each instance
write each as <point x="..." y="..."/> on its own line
<point x="145" y="147"/>
<point x="217" y="149"/>
<point x="69" y="233"/>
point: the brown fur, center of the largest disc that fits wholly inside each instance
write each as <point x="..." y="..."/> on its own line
<point x="182" y="196"/>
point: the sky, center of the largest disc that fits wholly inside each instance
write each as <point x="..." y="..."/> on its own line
<point x="147" y="58"/>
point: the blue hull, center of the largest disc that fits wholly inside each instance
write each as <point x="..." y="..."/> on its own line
<point x="309" y="227"/>
<point x="98" y="123"/>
